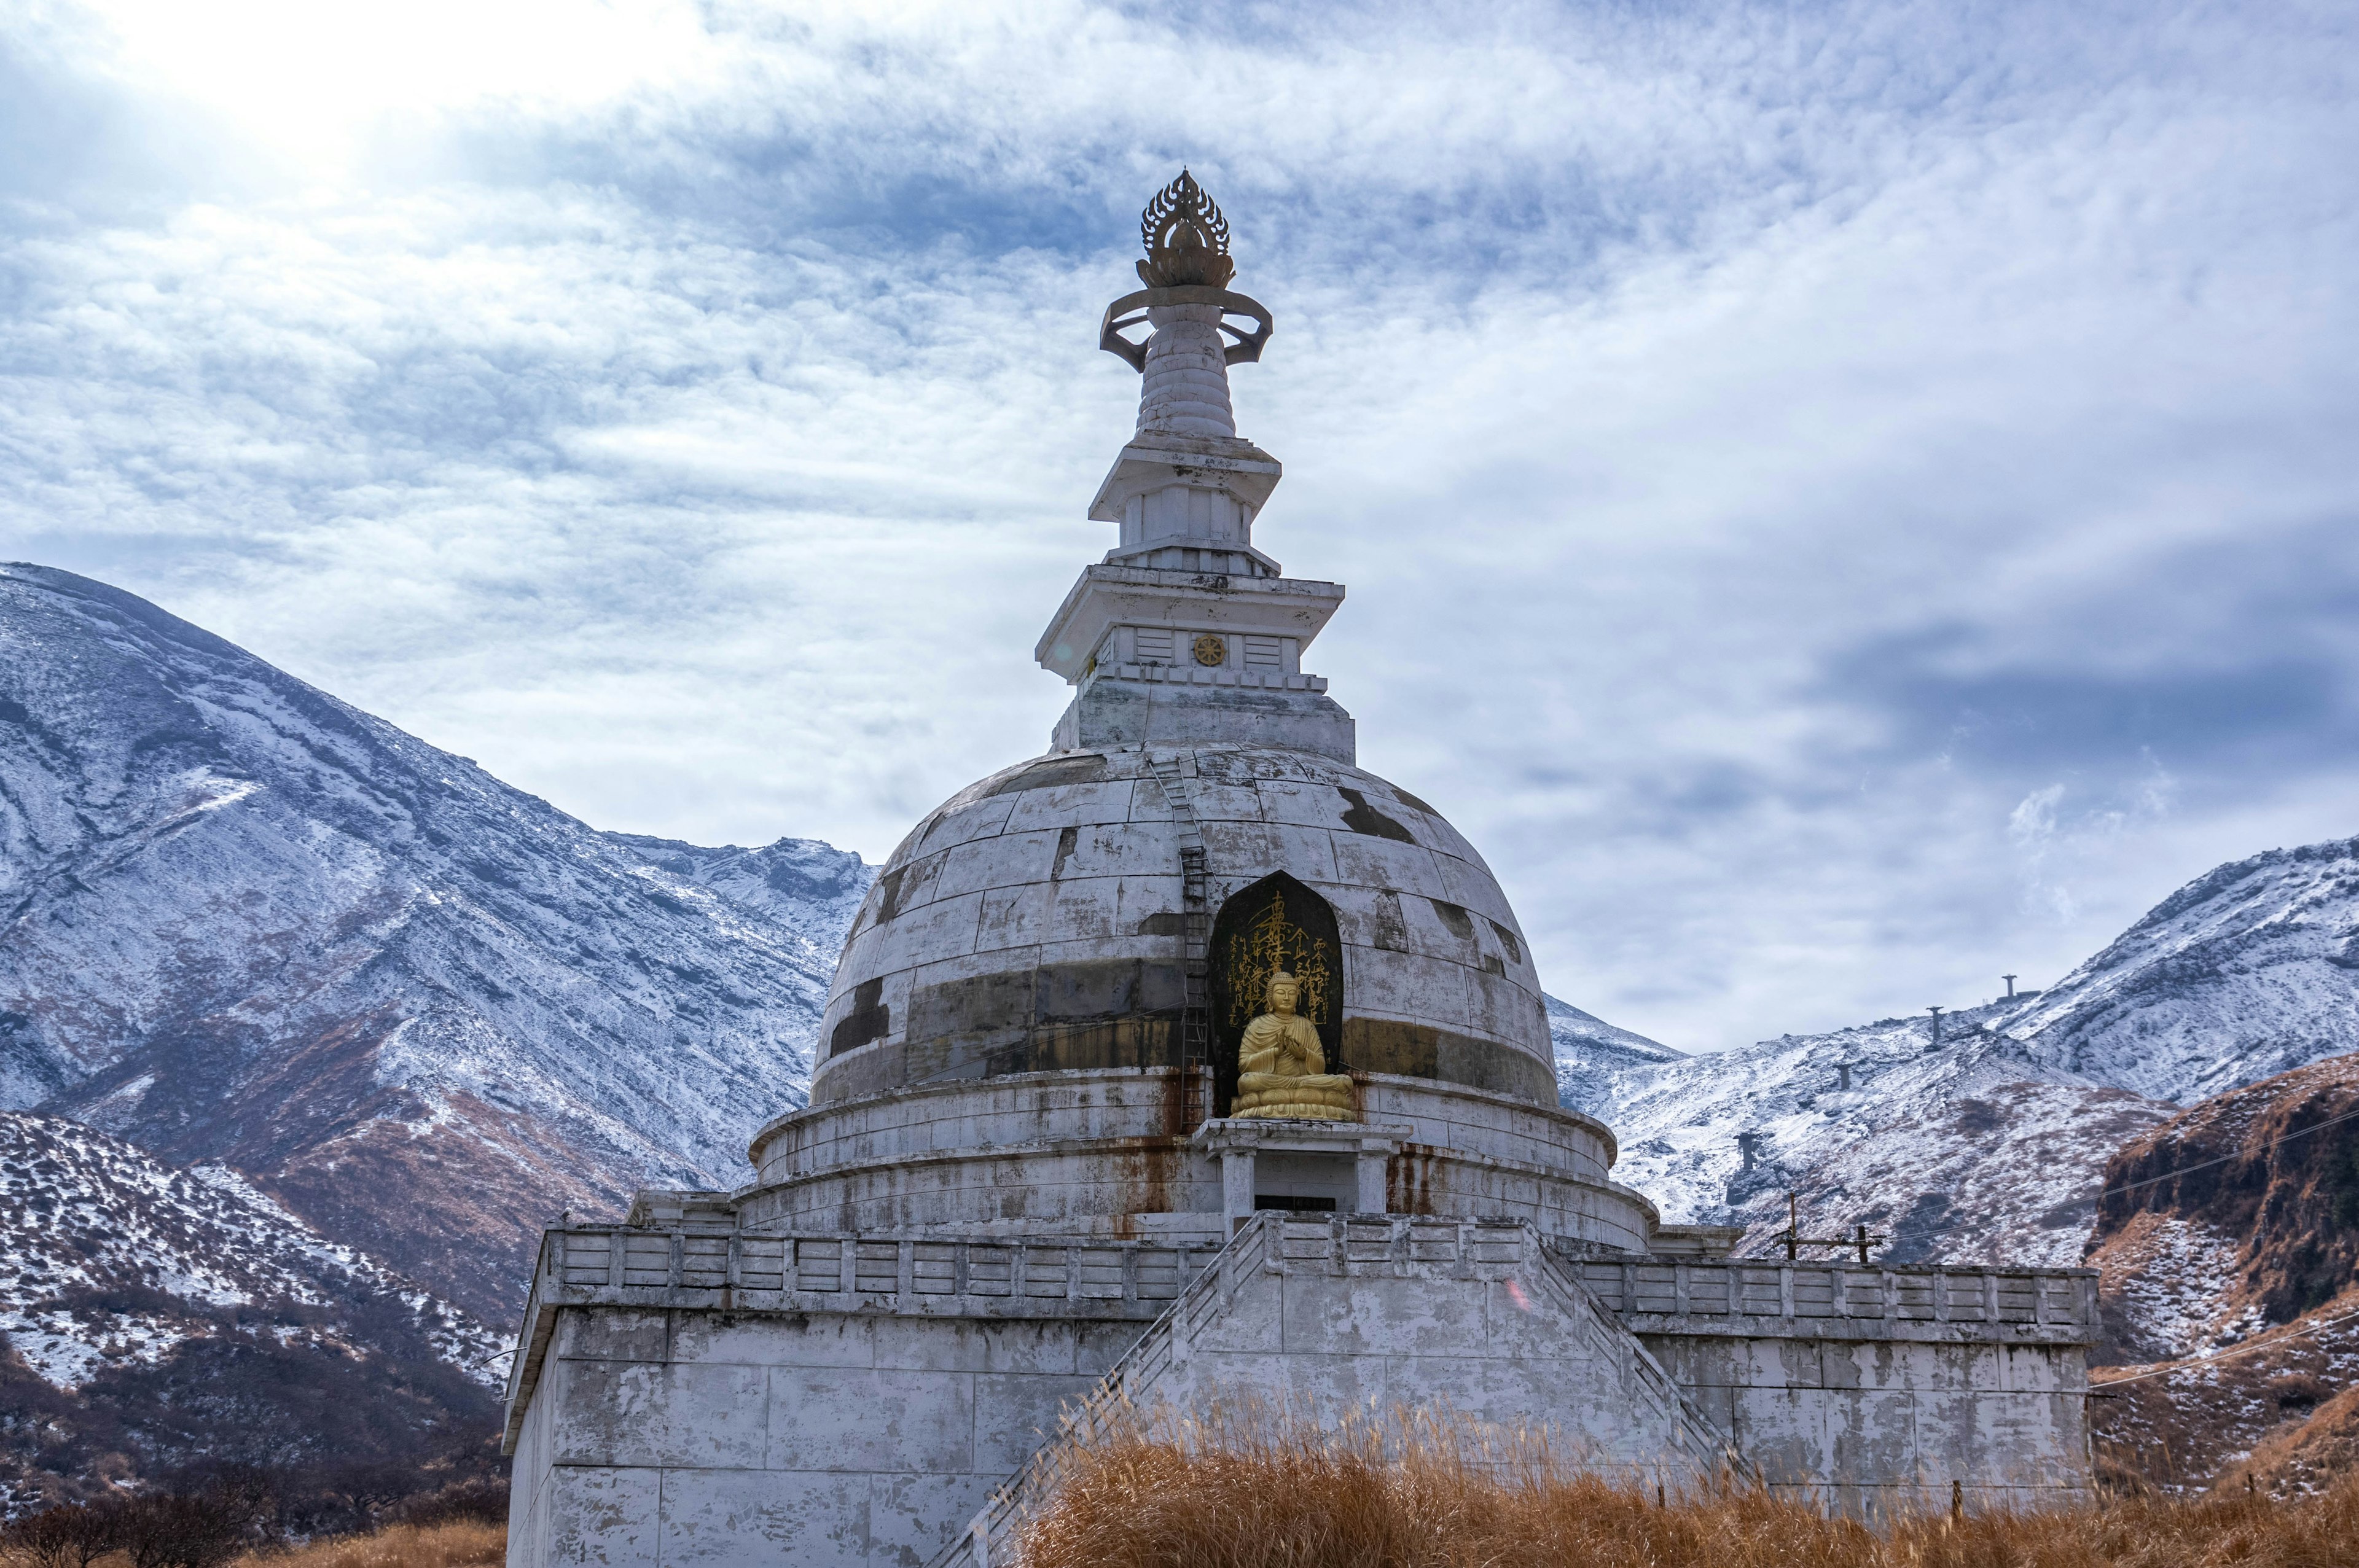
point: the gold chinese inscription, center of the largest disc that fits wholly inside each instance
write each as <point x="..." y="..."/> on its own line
<point x="1212" y="650"/>
<point x="1270" y="943"/>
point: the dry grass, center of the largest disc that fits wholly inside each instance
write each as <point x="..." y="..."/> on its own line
<point x="460" y="1543"/>
<point x="1286" y="1496"/>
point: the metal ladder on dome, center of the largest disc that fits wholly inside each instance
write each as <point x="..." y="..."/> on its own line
<point x="1195" y="929"/>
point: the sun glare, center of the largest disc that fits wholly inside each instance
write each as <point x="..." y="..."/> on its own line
<point x="308" y="79"/>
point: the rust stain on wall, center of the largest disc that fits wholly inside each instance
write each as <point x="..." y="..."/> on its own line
<point x="1147" y="1176"/>
<point x="1410" y="1179"/>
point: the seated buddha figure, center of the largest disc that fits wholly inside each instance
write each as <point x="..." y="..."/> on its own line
<point x="1280" y="1065"/>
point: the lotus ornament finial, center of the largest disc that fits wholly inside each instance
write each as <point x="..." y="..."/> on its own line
<point x="1187" y="239"/>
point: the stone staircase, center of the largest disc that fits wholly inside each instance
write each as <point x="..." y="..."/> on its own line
<point x="1367" y="1248"/>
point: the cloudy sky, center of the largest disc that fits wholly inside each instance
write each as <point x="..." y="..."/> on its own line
<point x="1838" y="502"/>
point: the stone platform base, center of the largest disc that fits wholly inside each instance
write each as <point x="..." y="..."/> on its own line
<point x="693" y="1394"/>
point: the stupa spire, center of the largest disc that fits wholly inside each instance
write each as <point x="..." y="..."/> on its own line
<point x="1166" y="497"/>
<point x="1187" y="303"/>
<point x="1186" y="633"/>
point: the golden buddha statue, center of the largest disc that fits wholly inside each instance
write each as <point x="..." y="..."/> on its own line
<point x="1282" y="1066"/>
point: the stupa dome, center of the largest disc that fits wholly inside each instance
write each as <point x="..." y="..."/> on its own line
<point x="1034" y="923"/>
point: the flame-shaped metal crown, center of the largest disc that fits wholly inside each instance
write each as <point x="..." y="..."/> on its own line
<point x="1186" y="237"/>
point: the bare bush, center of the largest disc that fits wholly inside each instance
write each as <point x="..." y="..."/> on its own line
<point x="192" y="1529"/>
<point x="1404" y="1495"/>
<point x="72" y="1535"/>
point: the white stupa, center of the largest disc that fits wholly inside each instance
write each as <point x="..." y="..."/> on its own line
<point x="1189" y="1056"/>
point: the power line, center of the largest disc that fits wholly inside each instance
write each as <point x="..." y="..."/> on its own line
<point x="2206" y="1164"/>
<point x="2194" y="1365"/>
<point x="1901" y="1235"/>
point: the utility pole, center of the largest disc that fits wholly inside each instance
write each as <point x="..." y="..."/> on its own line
<point x="1937" y="1023"/>
<point x="2010" y="985"/>
<point x="1860" y="1239"/>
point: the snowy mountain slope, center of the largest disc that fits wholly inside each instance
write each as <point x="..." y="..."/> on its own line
<point x="1589" y="1051"/>
<point x="2249" y="970"/>
<point x="85" y="1217"/>
<point x="246" y="924"/>
<point x="2228" y="1249"/>
<point x="157" y="1318"/>
<point x="1993" y="1143"/>
<point x="1966" y="1148"/>
<point x="800" y="888"/>
<point x="2283" y="1410"/>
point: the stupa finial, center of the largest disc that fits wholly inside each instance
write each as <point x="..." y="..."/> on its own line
<point x="1187" y="305"/>
<point x="1187" y="239"/>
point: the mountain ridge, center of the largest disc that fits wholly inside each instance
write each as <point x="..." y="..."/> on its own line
<point x="2246" y="971"/>
<point x="1990" y="1141"/>
<point x="246" y="924"/>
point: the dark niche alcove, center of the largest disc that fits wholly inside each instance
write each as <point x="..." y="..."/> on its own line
<point x="1277" y="923"/>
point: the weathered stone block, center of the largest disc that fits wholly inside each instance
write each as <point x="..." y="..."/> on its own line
<point x="1016" y="1412"/>
<point x="643" y="1414"/>
<point x="832" y="1419"/>
<point x="911" y="1516"/>
<point x="618" y="1335"/>
<point x="609" y="1518"/>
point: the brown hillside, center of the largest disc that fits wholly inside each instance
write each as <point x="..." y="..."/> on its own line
<point x="2241" y="1212"/>
<point x="2218" y="1228"/>
<point x="2278" y="1408"/>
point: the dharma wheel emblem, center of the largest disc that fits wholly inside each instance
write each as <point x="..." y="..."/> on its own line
<point x="1211" y="650"/>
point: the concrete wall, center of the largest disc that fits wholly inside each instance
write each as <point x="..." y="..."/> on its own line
<point x="666" y="1439"/>
<point x="1875" y="1388"/>
<point x="1875" y="1427"/>
<point x="703" y="1395"/>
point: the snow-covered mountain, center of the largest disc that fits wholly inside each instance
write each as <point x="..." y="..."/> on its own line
<point x="799" y="888"/>
<point x="1589" y="1051"/>
<point x="244" y="924"/>
<point x="160" y="1316"/>
<point x="109" y="1258"/>
<point x="1967" y="1148"/>
<point x="1992" y="1142"/>
<point x="2245" y="972"/>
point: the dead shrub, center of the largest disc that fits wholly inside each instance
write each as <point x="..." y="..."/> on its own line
<point x="1421" y="1492"/>
<point x="189" y="1529"/>
<point x="72" y="1535"/>
<point x="453" y="1543"/>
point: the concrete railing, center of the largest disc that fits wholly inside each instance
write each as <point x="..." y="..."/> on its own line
<point x="717" y="1270"/>
<point x="900" y="1275"/>
<point x="1771" y="1296"/>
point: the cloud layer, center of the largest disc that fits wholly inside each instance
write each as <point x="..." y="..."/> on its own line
<point x="1838" y="504"/>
